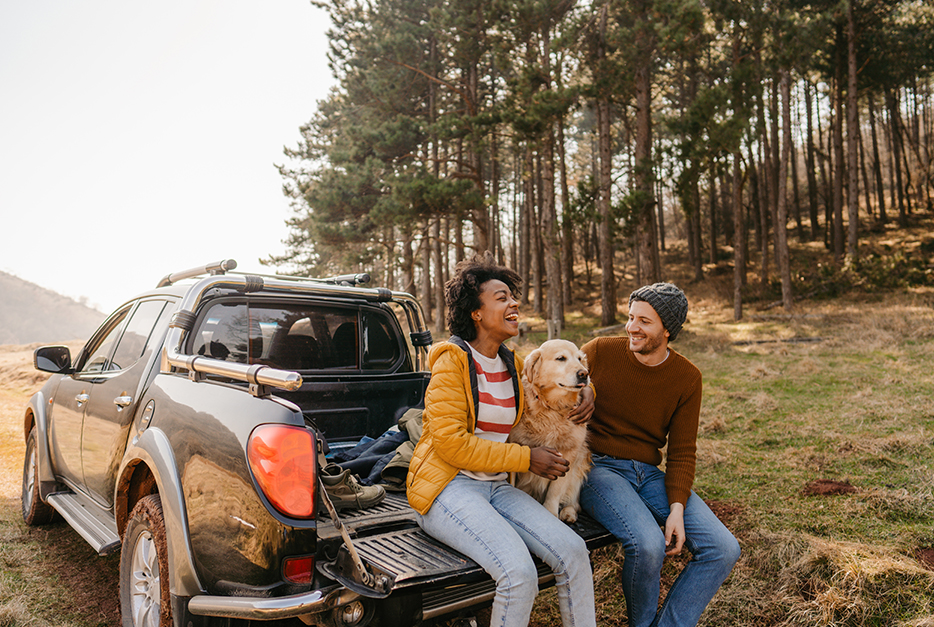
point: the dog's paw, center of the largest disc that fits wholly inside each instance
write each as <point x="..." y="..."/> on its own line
<point x="568" y="514"/>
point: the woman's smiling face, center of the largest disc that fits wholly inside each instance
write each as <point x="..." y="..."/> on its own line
<point x="498" y="316"/>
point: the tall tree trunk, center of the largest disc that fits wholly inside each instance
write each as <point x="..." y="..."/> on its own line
<point x="440" y="310"/>
<point x="781" y="224"/>
<point x="567" y="228"/>
<point x="809" y="161"/>
<point x="823" y="157"/>
<point x="646" y="226"/>
<point x="538" y="260"/>
<point x="608" y="281"/>
<point x="427" y="296"/>
<point x="799" y="225"/>
<point x="712" y="204"/>
<point x="408" y="263"/>
<point x="896" y="134"/>
<point x="496" y="244"/>
<point x="764" y="187"/>
<point x="838" y="169"/>
<point x="739" y="247"/>
<point x="695" y="220"/>
<point x="516" y="214"/>
<point x="852" y="139"/>
<point x="551" y="244"/>
<point x="867" y="182"/>
<point x="525" y="227"/>
<point x="774" y="164"/>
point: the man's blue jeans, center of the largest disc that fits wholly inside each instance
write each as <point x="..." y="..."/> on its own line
<point x="497" y="526"/>
<point x="629" y="499"/>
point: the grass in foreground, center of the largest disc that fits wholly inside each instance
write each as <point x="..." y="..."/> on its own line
<point x="49" y="576"/>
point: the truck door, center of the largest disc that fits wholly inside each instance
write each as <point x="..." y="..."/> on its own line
<point x="115" y="398"/>
<point x="73" y="395"/>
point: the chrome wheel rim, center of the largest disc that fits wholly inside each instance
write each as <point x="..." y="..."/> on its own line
<point x="144" y="582"/>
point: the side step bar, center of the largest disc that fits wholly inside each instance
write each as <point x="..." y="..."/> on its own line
<point x="88" y="523"/>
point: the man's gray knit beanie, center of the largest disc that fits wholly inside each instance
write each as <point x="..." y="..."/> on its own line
<point x="668" y="301"/>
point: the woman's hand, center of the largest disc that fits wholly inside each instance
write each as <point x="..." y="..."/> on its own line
<point x="547" y="462"/>
<point x="584" y="410"/>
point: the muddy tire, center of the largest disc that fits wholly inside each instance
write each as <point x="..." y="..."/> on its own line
<point x="35" y="511"/>
<point x="144" y="568"/>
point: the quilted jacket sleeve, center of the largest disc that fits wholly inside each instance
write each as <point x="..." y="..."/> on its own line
<point x="450" y="419"/>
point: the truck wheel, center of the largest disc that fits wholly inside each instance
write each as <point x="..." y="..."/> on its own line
<point x="144" y="568"/>
<point x="35" y="511"/>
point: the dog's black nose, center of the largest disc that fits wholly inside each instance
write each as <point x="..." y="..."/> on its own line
<point x="582" y="376"/>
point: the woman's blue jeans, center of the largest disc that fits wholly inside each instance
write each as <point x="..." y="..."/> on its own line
<point x="498" y="526"/>
<point x="629" y="499"/>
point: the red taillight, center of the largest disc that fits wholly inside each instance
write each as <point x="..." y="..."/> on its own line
<point x="282" y="459"/>
<point x="298" y="569"/>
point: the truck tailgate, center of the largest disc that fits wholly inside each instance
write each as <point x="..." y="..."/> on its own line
<point x="387" y="538"/>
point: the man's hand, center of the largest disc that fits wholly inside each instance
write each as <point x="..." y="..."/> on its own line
<point x="547" y="462"/>
<point x="674" y="530"/>
<point x="584" y="410"/>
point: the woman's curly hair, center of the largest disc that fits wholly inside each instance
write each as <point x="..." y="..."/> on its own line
<point x="462" y="291"/>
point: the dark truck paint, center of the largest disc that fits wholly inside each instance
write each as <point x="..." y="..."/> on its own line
<point x="170" y="412"/>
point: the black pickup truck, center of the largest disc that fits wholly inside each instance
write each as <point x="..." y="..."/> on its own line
<point x="189" y="433"/>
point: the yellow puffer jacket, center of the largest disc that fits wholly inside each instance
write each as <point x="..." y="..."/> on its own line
<point x="448" y="443"/>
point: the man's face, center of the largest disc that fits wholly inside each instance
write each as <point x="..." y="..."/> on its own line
<point x="647" y="334"/>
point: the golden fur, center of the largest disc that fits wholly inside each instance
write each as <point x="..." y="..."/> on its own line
<point x="553" y="377"/>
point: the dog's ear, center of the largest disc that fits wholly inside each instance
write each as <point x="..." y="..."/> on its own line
<point x="530" y="369"/>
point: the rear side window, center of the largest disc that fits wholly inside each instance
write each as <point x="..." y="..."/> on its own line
<point x="299" y="336"/>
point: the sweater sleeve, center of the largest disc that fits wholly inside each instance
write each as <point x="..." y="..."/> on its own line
<point x="682" y="445"/>
<point x="449" y="419"/>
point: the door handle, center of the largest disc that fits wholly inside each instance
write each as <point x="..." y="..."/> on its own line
<point x="123" y="401"/>
<point x="82" y="398"/>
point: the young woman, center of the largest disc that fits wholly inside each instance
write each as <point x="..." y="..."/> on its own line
<point x="457" y="480"/>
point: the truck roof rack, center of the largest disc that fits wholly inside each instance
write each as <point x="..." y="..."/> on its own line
<point x="226" y="265"/>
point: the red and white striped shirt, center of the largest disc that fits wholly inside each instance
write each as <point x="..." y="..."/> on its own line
<point x="497" y="410"/>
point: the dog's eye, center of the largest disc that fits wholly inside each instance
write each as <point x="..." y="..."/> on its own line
<point x="561" y="358"/>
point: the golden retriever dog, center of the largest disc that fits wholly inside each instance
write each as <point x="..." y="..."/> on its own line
<point x="553" y="377"/>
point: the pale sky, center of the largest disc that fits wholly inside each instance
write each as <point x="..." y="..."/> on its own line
<point x="139" y="138"/>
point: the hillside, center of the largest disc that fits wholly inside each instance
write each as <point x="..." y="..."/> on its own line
<point x="29" y="314"/>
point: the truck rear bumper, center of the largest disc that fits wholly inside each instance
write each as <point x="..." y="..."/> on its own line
<point x="265" y="608"/>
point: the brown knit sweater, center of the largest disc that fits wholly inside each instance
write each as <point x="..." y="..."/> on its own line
<point x="639" y="408"/>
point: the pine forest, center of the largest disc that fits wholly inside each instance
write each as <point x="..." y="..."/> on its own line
<point x="575" y="139"/>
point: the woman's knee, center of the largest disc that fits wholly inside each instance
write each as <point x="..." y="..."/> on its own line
<point x="519" y="577"/>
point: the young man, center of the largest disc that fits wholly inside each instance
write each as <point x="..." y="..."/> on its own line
<point x="649" y="395"/>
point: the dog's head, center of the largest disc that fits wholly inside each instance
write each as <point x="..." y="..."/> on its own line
<point x="556" y="372"/>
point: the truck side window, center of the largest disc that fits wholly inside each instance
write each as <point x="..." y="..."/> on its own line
<point x="99" y="349"/>
<point x="133" y="343"/>
<point x="225" y="333"/>
<point x="380" y="348"/>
